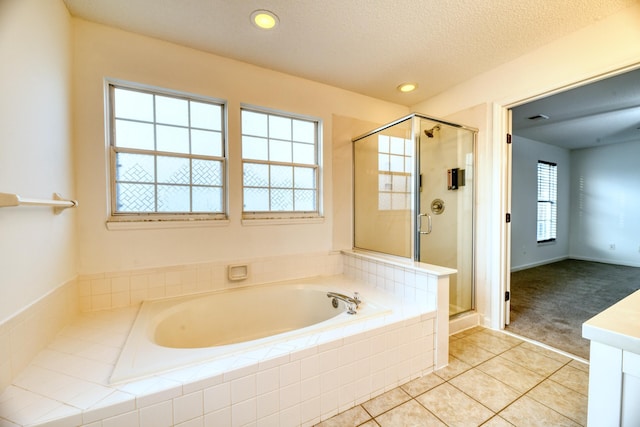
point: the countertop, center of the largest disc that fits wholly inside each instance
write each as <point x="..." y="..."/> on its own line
<point x="617" y="326"/>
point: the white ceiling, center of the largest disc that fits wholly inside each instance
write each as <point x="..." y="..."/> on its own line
<point x="600" y="113"/>
<point x="366" y="46"/>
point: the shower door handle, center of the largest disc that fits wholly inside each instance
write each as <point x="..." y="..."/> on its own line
<point x="429" y="224"/>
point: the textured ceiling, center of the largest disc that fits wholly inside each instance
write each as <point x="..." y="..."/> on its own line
<point x="366" y="46"/>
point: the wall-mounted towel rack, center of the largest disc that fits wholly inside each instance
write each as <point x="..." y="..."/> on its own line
<point x="58" y="203"/>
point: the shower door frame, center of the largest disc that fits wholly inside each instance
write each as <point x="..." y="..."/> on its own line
<point x="415" y="200"/>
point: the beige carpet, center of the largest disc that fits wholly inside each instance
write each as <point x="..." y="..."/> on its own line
<point x="549" y="303"/>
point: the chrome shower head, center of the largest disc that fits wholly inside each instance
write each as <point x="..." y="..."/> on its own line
<point x="430" y="132"/>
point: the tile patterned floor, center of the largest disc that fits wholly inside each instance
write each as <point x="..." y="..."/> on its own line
<point x="493" y="380"/>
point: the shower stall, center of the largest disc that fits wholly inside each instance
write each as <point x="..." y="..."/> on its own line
<point x="414" y="197"/>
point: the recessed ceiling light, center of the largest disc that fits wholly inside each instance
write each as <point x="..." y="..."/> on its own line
<point x="408" y="87"/>
<point x="264" y="19"/>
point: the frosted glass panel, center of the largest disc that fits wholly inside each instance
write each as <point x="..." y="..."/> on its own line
<point x="174" y="170"/>
<point x="135" y="167"/>
<point x="173" y="198"/>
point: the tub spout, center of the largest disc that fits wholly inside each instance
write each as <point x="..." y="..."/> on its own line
<point x="352" y="302"/>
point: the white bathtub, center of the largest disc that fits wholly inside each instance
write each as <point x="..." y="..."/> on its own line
<point x="176" y="332"/>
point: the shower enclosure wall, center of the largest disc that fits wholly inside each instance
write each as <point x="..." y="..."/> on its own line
<point x="414" y="196"/>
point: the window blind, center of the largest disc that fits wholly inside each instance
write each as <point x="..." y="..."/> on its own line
<point x="547" y="201"/>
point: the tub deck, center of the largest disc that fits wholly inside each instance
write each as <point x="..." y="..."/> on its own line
<point x="296" y="382"/>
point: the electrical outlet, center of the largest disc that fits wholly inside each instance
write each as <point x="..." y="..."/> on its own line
<point x="612" y="246"/>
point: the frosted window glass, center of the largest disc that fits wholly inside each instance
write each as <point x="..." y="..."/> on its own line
<point x="206" y="116"/>
<point x="172" y="111"/>
<point x="173" y="198"/>
<point x="304" y="131"/>
<point x="133" y="105"/>
<point x="206" y="143"/>
<point x="255" y="148"/>
<point x="279" y="127"/>
<point x="174" y="170"/>
<point x="256" y="199"/>
<point x="304" y="153"/>
<point x="280" y="151"/>
<point x="254" y="124"/>
<point x="172" y="139"/>
<point x="134" y="135"/>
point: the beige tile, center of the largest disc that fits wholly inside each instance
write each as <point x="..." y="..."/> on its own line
<point x="497" y="421"/>
<point x="494" y="342"/>
<point x="527" y="412"/>
<point x="469" y="353"/>
<point x="370" y="423"/>
<point x="386" y="401"/>
<point x="352" y="417"/>
<point x="572" y="378"/>
<point x="545" y="351"/>
<point x="535" y="361"/>
<point x="579" y="365"/>
<point x="453" y="406"/>
<point x="515" y="376"/>
<point x="408" y="414"/>
<point x="469" y="331"/>
<point x="487" y="390"/>
<point x="453" y="369"/>
<point x="567" y="402"/>
<point x="422" y="384"/>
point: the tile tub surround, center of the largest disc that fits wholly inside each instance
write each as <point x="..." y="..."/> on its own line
<point x="106" y="291"/>
<point x="22" y="336"/>
<point x="299" y="382"/>
<point x="410" y="281"/>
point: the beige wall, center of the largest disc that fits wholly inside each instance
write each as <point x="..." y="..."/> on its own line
<point x="37" y="248"/>
<point x="606" y="46"/>
<point x="106" y="52"/>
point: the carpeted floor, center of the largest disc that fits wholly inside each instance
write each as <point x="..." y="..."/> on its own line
<point x="549" y="303"/>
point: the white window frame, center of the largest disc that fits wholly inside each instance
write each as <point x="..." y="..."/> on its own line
<point x="158" y="216"/>
<point x="547" y="202"/>
<point x="274" y="215"/>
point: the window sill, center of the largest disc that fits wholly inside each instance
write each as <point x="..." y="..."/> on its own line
<point x="166" y="224"/>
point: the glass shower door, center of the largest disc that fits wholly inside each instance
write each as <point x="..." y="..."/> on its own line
<point x="445" y="206"/>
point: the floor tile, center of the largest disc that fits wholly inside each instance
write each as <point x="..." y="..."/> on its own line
<point x="409" y="414"/>
<point x="469" y="353"/>
<point x="352" y="417"/>
<point x="537" y="362"/>
<point x="422" y="384"/>
<point x="515" y="376"/>
<point x="496" y="344"/>
<point x="487" y="390"/>
<point x="567" y="402"/>
<point x="572" y="378"/>
<point x="454" y="407"/>
<point x="497" y="421"/>
<point x="579" y="365"/>
<point x="527" y="412"/>
<point x="385" y="401"/>
<point x="453" y="369"/>
<point x="545" y="351"/>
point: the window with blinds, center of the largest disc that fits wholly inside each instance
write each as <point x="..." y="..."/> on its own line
<point x="547" y="201"/>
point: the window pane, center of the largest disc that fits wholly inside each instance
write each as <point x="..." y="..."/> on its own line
<point x="279" y="127"/>
<point x="206" y="199"/>
<point x="396" y="146"/>
<point x="305" y="200"/>
<point x="255" y="175"/>
<point x="172" y="111"/>
<point x="304" y="153"/>
<point x="206" y="172"/>
<point x="396" y="163"/>
<point x="135" y="167"/>
<point x="255" y="148"/>
<point x="383" y="143"/>
<point x="173" y="170"/>
<point x="383" y="162"/>
<point x="384" y="201"/>
<point x="281" y="176"/>
<point x="281" y="200"/>
<point x="304" y="177"/>
<point x="135" y="197"/>
<point x="206" y="143"/>
<point x="279" y="151"/>
<point x="134" y="135"/>
<point x="206" y="116"/>
<point x="304" y="131"/>
<point x="256" y="199"/>
<point x="254" y="124"/>
<point x="384" y="182"/>
<point x="173" y="198"/>
<point x="133" y="105"/>
<point x="172" y="139"/>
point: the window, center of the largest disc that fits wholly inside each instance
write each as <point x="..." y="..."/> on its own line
<point x="280" y="165"/>
<point x="394" y="173"/>
<point x="547" y="201"/>
<point x="167" y="154"/>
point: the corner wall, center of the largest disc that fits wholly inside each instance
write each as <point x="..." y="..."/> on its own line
<point x="37" y="248"/>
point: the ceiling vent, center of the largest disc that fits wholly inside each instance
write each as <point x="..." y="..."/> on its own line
<point x="538" y="117"/>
